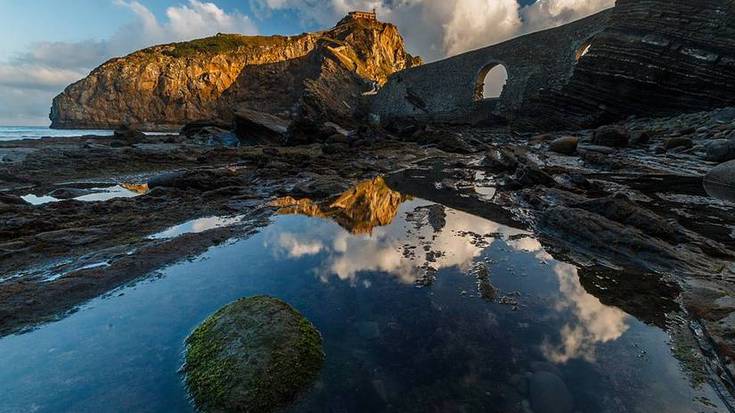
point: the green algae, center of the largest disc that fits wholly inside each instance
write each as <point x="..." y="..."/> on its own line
<point x="257" y="354"/>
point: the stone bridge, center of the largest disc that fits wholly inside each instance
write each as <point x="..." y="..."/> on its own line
<point x="451" y="89"/>
<point x="646" y="58"/>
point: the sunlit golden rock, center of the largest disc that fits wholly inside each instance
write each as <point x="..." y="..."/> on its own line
<point x="137" y="188"/>
<point x="367" y="205"/>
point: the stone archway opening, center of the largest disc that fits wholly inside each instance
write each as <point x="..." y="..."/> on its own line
<point x="491" y="82"/>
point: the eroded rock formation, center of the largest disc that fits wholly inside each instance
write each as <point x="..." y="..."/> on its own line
<point x="167" y="86"/>
<point x="655" y="57"/>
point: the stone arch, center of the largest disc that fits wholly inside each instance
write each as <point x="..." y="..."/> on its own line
<point x="491" y="81"/>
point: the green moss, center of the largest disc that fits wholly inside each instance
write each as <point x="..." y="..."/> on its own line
<point x="255" y="355"/>
<point x="222" y="43"/>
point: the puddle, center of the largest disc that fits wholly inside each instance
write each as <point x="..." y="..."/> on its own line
<point x="196" y="226"/>
<point x="94" y="195"/>
<point x="398" y="287"/>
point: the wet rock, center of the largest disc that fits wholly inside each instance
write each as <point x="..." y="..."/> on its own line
<point x="129" y="135"/>
<point x="723" y="174"/>
<point x="565" y="145"/>
<point x="198" y="180"/>
<point x="720" y="150"/>
<point x="452" y="142"/>
<point x="720" y="181"/>
<point x="258" y="128"/>
<point x="500" y="160"/>
<point x="678" y="143"/>
<point x="611" y="136"/>
<point x="605" y="150"/>
<point x="620" y="209"/>
<point x="11" y="199"/>
<point x="531" y="175"/>
<point x="549" y="394"/>
<point x="257" y="354"/>
<point x="213" y="135"/>
<point x="640" y="138"/>
<point x="164" y="180"/>
<point x="320" y="187"/>
<point x="335" y="148"/>
<point x="596" y="236"/>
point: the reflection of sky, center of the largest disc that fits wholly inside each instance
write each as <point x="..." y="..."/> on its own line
<point x="595" y="322"/>
<point x="98" y="194"/>
<point x="197" y="226"/>
<point x="346" y="255"/>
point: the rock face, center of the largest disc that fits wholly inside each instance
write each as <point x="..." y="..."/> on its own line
<point x="655" y="57"/>
<point x="254" y="355"/>
<point x="167" y="86"/>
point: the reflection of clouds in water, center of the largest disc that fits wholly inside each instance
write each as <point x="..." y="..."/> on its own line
<point x="598" y="323"/>
<point x="527" y="244"/>
<point x="205" y="224"/>
<point x="296" y="247"/>
<point x="349" y="254"/>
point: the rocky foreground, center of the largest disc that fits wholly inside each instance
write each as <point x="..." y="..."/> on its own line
<point x="623" y="202"/>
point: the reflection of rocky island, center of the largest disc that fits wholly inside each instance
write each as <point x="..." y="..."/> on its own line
<point x="368" y="205"/>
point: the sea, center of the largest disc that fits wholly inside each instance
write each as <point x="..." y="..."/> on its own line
<point x="12" y="133"/>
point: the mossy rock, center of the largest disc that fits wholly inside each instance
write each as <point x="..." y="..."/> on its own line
<point x="257" y="354"/>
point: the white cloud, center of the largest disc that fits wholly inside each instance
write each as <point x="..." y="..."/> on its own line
<point x="595" y="322"/>
<point x="28" y="82"/>
<point x="438" y="28"/>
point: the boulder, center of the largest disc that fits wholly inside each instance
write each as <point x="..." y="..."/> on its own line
<point x="720" y="150"/>
<point x="720" y="181"/>
<point x="566" y="145"/>
<point x="258" y="128"/>
<point x="257" y="354"/>
<point x="129" y="135"/>
<point x="611" y="136"/>
<point x="678" y="143"/>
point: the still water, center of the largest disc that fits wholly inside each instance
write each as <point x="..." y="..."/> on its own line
<point x="422" y="308"/>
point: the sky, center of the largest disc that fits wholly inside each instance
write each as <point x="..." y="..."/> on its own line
<point x="46" y="45"/>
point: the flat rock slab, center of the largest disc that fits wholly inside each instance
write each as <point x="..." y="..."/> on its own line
<point x="257" y="354"/>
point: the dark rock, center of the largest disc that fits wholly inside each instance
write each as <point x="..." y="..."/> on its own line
<point x="447" y="141"/>
<point x="611" y="136"/>
<point x="620" y="209"/>
<point x="678" y="143"/>
<point x="530" y="175"/>
<point x="500" y="160"/>
<point x="335" y="148"/>
<point x="565" y="145"/>
<point x="605" y="150"/>
<point x="320" y="187"/>
<point x="258" y="128"/>
<point x="197" y="180"/>
<point x="165" y="180"/>
<point x="720" y="150"/>
<point x="549" y="394"/>
<point x="640" y="138"/>
<point x="257" y="354"/>
<point x="130" y="135"/>
<point x="604" y="239"/>
<point x="211" y="135"/>
<point x="720" y="181"/>
<point x="11" y="199"/>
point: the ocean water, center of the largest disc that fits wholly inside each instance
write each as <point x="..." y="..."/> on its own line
<point x="13" y="133"/>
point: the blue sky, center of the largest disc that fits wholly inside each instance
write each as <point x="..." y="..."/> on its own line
<point x="48" y="44"/>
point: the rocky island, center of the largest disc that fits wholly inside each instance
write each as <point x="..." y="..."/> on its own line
<point x="607" y="164"/>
